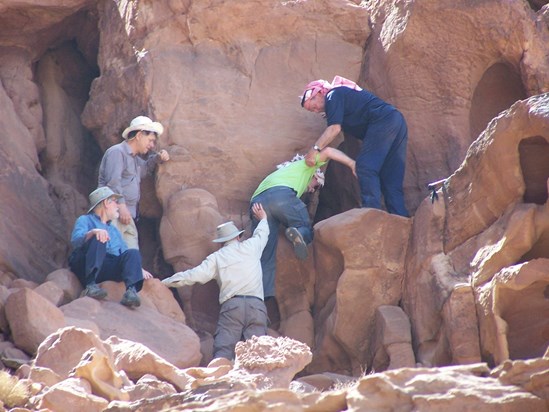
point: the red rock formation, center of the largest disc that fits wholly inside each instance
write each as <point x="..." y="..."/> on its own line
<point x="468" y="272"/>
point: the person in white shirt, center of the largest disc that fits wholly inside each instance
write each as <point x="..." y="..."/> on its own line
<point x="236" y="267"/>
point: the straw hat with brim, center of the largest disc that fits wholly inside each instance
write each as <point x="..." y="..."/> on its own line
<point x="143" y="123"/>
<point x="100" y="194"/>
<point x="227" y="231"/>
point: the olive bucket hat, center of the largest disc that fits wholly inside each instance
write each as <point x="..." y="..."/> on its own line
<point x="100" y="194"/>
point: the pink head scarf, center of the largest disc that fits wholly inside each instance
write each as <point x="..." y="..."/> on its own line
<point x="322" y="86"/>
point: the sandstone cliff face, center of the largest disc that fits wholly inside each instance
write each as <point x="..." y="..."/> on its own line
<point x="463" y="281"/>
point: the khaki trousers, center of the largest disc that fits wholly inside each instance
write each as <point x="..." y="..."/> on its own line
<point x="129" y="233"/>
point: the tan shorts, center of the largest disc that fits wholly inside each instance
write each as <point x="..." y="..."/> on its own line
<point x="129" y="233"/>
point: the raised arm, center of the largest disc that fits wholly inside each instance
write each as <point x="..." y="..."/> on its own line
<point x="338" y="156"/>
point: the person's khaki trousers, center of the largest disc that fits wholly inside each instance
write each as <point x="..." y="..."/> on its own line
<point x="129" y="233"/>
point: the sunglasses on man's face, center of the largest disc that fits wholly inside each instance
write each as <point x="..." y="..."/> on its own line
<point x="306" y="96"/>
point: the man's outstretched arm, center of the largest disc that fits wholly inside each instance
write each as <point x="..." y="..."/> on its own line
<point x="202" y="273"/>
<point x="338" y="156"/>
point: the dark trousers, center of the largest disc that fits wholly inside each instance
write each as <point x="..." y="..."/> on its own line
<point x="282" y="206"/>
<point x="91" y="263"/>
<point x="381" y="162"/>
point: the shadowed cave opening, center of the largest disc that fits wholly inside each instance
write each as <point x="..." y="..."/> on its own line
<point x="341" y="191"/>
<point x="534" y="152"/>
<point x="499" y="87"/>
<point x="536" y="5"/>
<point x="526" y="312"/>
<point x="64" y="74"/>
<point x="64" y="78"/>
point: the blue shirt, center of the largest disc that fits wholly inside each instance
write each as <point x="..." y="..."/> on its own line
<point x="354" y="110"/>
<point x="115" y="246"/>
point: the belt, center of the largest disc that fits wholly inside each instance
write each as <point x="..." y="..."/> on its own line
<point x="247" y="297"/>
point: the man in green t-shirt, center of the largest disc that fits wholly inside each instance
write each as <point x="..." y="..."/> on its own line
<point x="279" y="193"/>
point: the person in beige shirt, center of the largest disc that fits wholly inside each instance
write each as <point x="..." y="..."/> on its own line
<point x="236" y="268"/>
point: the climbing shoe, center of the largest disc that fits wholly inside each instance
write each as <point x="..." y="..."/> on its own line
<point x="300" y="247"/>
<point x="93" y="290"/>
<point x="130" y="298"/>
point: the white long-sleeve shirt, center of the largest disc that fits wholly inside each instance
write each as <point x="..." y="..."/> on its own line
<point x="236" y="267"/>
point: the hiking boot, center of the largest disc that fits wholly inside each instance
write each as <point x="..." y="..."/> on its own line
<point x="130" y="298"/>
<point x="300" y="247"/>
<point x="93" y="290"/>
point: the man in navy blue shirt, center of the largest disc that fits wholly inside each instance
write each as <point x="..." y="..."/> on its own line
<point x="382" y="129"/>
<point x="100" y="253"/>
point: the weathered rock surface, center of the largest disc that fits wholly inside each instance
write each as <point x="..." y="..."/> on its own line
<point x="468" y="271"/>
<point x="273" y="361"/>
<point x="266" y="363"/>
<point x="439" y="389"/>
<point x="489" y="259"/>
<point x="179" y="344"/>
<point x="353" y="279"/>
<point x="31" y="319"/>
<point x="62" y="350"/>
<point x="449" y="101"/>
<point x="67" y="282"/>
<point x="137" y="360"/>
<point x="95" y="371"/>
<point x="51" y="292"/>
<point x="73" y="394"/>
<point x="393" y="346"/>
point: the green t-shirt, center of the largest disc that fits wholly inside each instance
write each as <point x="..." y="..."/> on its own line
<point x="295" y="175"/>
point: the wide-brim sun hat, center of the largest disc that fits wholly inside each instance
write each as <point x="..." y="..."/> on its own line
<point x="143" y="123"/>
<point x="227" y="231"/>
<point x="100" y="194"/>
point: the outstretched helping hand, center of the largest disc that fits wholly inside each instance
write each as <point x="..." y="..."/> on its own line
<point x="310" y="157"/>
<point x="147" y="274"/>
<point x="258" y="211"/>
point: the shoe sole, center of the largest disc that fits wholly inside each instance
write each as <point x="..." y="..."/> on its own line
<point x="300" y="247"/>
<point x="99" y="296"/>
<point x="130" y="303"/>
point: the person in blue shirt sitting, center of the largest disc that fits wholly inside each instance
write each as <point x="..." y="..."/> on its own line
<point x="100" y="253"/>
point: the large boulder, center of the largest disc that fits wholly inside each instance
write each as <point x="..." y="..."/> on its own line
<point x="271" y="362"/>
<point x="178" y="343"/>
<point x="31" y="319"/>
<point x="359" y="261"/>
<point x="63" y="350"/>
<point x="73" y="394"/>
